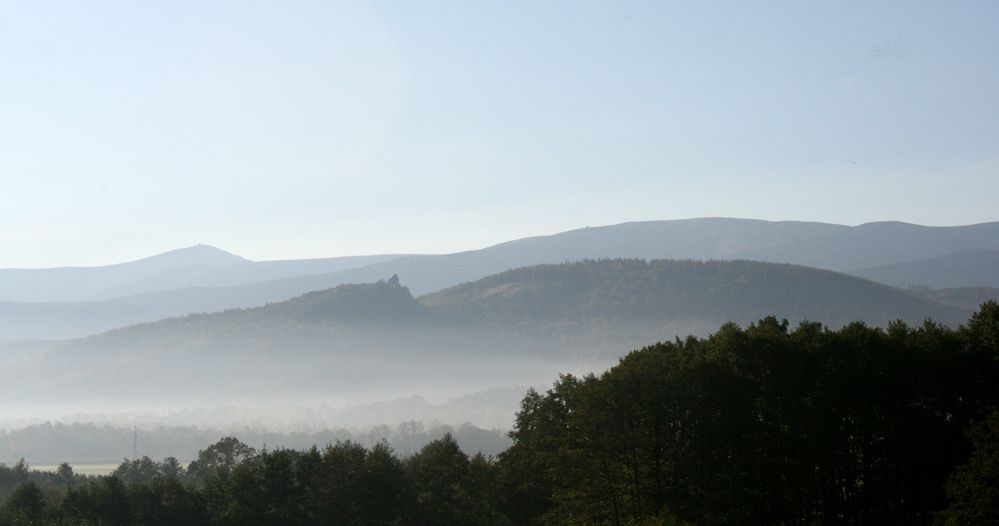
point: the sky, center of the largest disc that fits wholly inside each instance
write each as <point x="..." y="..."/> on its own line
<point x="281" y="130"/>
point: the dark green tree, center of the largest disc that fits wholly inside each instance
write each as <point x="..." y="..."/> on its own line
<point x="266" y="489"/>
<point x="974" y="487"/>
<point x="219" y="459"/>
<point x="26" y="506"/>
<point x="445" y="491"/>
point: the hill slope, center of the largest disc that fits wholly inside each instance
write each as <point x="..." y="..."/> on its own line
<point x="515" y="328"/>
<point x="82" y="283"/>
<point x="54" y="320"/>
<point x="820" y="245"/>
<point x="195" y="266"/>
<point x="230" y="282"/>
<point x="963" y="268"/>
<point x="964" y="297"/>
<point x="665" y="290"/>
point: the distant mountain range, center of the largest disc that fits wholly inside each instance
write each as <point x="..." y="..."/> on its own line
<point x="516" y="327"/>
<point x="196" y="266"/>
<point x="964" y="268"/>
<point x="71" y="302"/>
<point x="965" y="297"/>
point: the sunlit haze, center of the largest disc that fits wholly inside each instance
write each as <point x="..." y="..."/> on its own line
<point x="496" y="263"/>
<point x="310" y="129"/>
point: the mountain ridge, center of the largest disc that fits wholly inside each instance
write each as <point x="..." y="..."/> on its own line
<point x="520" y="324"/>
<point x="198" y="265"/>
<point x="196" y="254"/>
<point x="240" y="285"/>
<point x="958" y="269"/>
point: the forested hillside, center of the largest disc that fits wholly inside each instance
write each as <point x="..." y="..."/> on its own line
<point x="766" y="424"/>
<point x="820" y="245"/>
<point x="73" y="302"/>
<point x="666" y="290"/>
<point x="514" y="328"/>
<point x="769" y="425"/>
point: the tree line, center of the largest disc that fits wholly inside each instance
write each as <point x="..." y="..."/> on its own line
<point x="766" y="424"/>
<point x="50" y="442"/>
<point x="231" y="483"/>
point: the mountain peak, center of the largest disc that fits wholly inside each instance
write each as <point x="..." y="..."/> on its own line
<point x="194" y="255"/>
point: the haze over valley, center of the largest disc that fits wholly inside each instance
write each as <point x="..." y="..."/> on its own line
<point x="371" y="263"/>
<point x="355" y="330"/>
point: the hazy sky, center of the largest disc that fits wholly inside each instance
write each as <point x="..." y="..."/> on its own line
<point x="288" y="129"/>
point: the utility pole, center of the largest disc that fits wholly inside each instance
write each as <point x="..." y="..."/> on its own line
<point x="135" y="444"/>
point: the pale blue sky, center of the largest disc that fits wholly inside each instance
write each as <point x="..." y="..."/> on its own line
<point x="305" y="129"/>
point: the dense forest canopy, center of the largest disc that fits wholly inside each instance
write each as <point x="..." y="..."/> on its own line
<point x="758" y="425"/>
<point x="762" y="425"/>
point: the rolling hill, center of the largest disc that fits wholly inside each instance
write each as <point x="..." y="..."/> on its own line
<point x="196" y="266"/>
<point x="376" y="340"/>
<point x="205" y="279"/>
<point x="964" y="297"/>
<point x="962" y="268"/>
<point x="820" y="245"/>
<point x="665" y="290"/>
